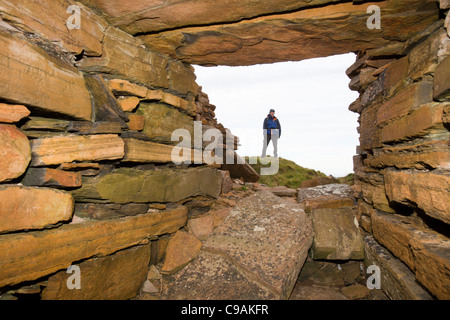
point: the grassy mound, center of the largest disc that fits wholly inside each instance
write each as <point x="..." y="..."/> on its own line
<point x="290" y="174"/>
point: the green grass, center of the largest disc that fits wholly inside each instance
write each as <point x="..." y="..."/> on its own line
<point x="290" y="174"/>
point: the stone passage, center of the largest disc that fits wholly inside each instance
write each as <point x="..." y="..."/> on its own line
<point x="86" y="117"/>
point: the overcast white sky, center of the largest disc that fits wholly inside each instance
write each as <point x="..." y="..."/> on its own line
<point x="311" y="100"/>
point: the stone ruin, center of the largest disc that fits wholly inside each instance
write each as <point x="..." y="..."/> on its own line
<point x="91" y="92"/>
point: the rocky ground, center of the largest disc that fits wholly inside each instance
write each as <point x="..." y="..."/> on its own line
<point x="318" y="279"/>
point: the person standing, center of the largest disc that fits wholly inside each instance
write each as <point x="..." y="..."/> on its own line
<point x="272" y="132"/>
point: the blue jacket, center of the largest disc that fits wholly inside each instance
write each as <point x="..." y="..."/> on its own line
<point x="272" y="123"/>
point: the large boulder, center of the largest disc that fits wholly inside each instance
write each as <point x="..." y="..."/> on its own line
<point x="257" y="253"/>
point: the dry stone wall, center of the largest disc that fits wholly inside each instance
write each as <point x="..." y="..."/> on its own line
<point x="86" y="174"/>
<point x="403" y="161"/>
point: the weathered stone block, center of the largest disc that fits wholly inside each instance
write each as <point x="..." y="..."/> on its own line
<point x="336" y="235"/>
<point x="441" y="89"/>
<point x="181" y="250"/>
<point x="126" y="56"/>
<point x="168" y="185"/>
<point x="125" y="88"/>
<point x="10" y="113"/>
<point x="161" y="120"/>
<point x="15" y="152"/>
<point x="269" y="248"/>
<point x="29" y="256"/>
<point x="24" y="208"/>
<point x="48" y="19"/>
<point x="115" y="277"/>
<point x="426" y="190"/>
<point x="404" y="102"/>
<point x="57" y="150"/>
<point x="34" y="78"/>
<point x="47" y="177"/>
<point x="397" y="281"/>
<point x="420" y="122"/>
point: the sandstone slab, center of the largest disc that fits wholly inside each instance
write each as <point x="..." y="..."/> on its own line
<point x="214" y="277"/>
<point x="181" y="250"/>
<point x="25" y="208"/>
<point x="15" y="152"/>
<point x="47" y="177"/>
<point x="201" y="227"/>
<point x="426" y="190"/>
<point x="397" y="280"/>
<point x="29" y="256"/>
<point x="115" y="277"/>
<point x="441" y="89"/>
<point x="57" y="150"/>
<point x="126" y="57"/>
<point x="168" y="185"/>
<point x="336" y="235"/>
<point x="48" y="19"/>
<point x="34" y="78"/>
<point x="11" y="113"/>
<point x="295" y="35"/>
<point x="421" y="121"/>
<point x="147" y="151"/>
<point x="126" y="88"/>
<point x="162" y="120"/>
<point x="270" y="248"/>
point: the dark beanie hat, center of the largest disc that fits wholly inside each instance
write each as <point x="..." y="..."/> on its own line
<point x="272" y="110"/>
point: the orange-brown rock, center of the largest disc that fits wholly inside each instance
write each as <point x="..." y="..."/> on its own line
<point x="115" y="277"/>
<point x="296" y="35"/>
<point x="424" y="155"/>
<point x="136" y="123"/>
<point x="426" y="190"/>
<point x="201" y="227"/>
<point x="34" y="78"/>
<point x="170" y="99"/>
<point x="394" y="232"/>
<point x="404" y="102"/>
<point x="11" y="113"/>
<point x="29" y="256"/>
<point x="25" y="208"/>
<point x="336" y="235"/>
<point x="441" y="81"/>
<point x="125" y="88"/>
<point x="147" y="151"/>
<point x="260" y="251"/>
<point x="125" y="56"/>
<point x="424" y="251"/>
<point x="431" y="260"/>
<point x="15" y="152"/>
<point x="326" y="202"/>
<point x="150" y="16"/>
<point x="47" y="177"/>
<point x="47" y="18"/>
<point x="129" y="103"/>
<point x="421" y="121"/>
<point x="57" y="150"/>
<point x="181" y="250"/>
